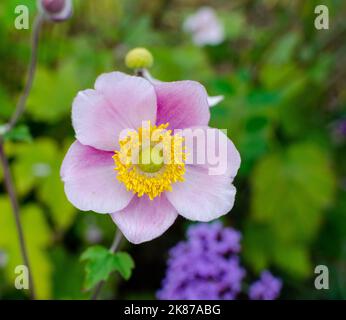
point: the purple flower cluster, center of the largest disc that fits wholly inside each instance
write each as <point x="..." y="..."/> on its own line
<point x="207" y="267"/>
<point x="266" y="288"/>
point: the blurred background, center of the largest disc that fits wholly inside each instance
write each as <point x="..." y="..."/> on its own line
<point x="284" y="84"/>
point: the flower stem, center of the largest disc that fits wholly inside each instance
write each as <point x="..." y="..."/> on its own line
<point x="20" y="107"/>
<point x="115" y="245"/>
<point x="15" y="206"/>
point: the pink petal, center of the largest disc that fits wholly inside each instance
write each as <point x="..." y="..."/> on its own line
<point x="144" y="219"/>
<point x="133" y="97"/>
<point x="202" y="197"/>
<point x="91" y="181"/>
<point x="211" y="149"/>
<point x="119" y="102"/>
<point x="182" y="103"/>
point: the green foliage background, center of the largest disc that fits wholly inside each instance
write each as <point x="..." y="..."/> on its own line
<point x="284" y="87"/>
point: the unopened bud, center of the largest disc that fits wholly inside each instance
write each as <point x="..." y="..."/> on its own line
<point x="53" y="6"/>
<point x="139" y="58"/>
<point x="56" y="10"/>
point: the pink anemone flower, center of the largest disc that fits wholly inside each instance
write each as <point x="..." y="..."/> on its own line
<point x="144" y="199"/>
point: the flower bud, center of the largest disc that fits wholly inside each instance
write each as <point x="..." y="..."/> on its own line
<point x="55" y="10"/>
<point x="53" y="6"/>
<point x="139" y="58"/>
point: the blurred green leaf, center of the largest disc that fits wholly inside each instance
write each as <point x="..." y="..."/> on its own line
<point x="37" y="237"/>
<point x="53" y="92"/>
<point x="19" y="133"/>
<point x="283" y="50"/>
<point x="293" y="259"/>
<point x="262" y="248"/>
<point x="290" y="191"/>
<point x="37" y="166"/>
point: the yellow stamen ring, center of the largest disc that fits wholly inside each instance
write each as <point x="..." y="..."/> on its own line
<point x="150" y="160"/>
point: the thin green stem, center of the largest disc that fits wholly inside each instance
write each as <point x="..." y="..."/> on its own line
<point x="15" y="207"/>
<point x="20" y="107"/>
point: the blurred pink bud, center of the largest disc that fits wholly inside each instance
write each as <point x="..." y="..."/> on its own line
<point x="205" y="27"/>
<point x="53" y="6"/>
<point x="55" y="10"/>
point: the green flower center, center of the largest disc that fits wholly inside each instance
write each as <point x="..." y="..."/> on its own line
<point x="150" y="160"/>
